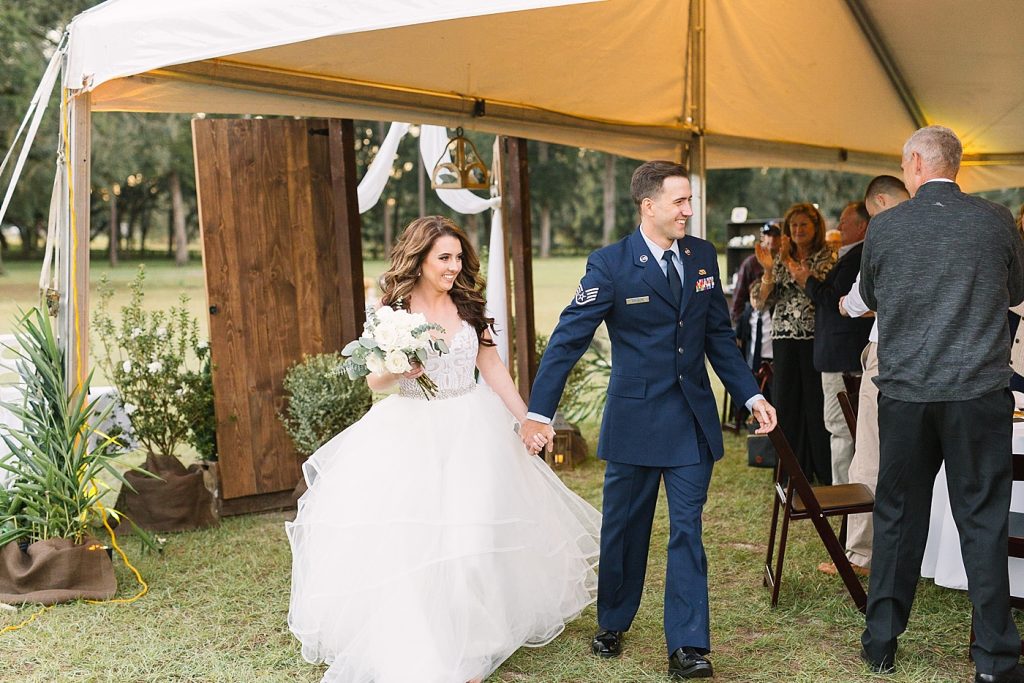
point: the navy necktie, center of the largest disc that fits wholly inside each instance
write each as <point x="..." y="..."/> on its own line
<point x="674" y="283"/>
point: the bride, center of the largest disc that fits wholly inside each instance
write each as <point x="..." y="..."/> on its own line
<point x="430" y="544"/>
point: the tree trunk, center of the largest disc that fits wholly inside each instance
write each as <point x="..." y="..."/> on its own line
<point x="473" y="231"/>
<point x="389" y="226"/>
<point x="112" y="249"/>
<point x="421" y="178"/>
<point x="545" y="211"/>
<point x="133" y="219"/>
<point x="178" y="207"/>
<point x="609" y="200"/>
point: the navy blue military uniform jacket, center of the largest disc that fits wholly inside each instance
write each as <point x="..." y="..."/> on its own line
<point x="659" y="394"/>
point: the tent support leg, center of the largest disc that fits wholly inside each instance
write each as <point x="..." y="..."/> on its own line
<point x="73" y="319"/>
<point x="516" y="199"/>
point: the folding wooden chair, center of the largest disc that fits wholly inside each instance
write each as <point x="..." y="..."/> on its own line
<point x="797" y="499"/>
<point x="852" y="385"/>
<point x="849" y="412"/>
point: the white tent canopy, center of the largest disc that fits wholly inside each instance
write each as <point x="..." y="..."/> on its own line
<point x="834" y="84"/>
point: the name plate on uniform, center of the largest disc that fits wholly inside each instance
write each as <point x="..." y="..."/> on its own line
<point x="638" y="300"/>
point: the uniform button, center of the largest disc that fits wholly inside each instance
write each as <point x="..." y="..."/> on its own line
<point x="680" y="323"/>
<point x="680" y="349"/>
<point x="680" y="378"/>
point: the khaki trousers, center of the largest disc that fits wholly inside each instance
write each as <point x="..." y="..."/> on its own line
<point x="840" y="439"/>
<point x="864" y="467"/>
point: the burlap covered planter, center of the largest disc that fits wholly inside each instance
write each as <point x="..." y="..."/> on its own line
<point x="178" y="501"/>
<point x="56" y="570"/>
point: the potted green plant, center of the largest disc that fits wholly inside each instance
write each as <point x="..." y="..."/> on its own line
<point x="153" y="359"/>
<point x="57" y="461"/>
<point x="198" y="407"/>
<point x="322" y="401"/>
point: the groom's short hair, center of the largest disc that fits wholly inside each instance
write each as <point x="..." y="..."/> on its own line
<point x="648" y="178"/>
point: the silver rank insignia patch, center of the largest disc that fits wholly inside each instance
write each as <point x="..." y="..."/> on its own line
<point x="585" y="296"/>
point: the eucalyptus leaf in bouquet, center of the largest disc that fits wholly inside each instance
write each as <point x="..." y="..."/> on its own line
<point x="393" y="341"/>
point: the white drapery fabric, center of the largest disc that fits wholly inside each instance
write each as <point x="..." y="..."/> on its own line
<point x="433" y="144"/>
<point x="372" y="185"/>
<point x="33" y="117"/>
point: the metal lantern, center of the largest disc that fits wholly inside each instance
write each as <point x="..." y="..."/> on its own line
<point x="465" y="171"/>
<point x="570" y="448"/>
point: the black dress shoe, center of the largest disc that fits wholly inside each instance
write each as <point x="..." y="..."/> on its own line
<point x="607" y="643"/>
<point x="1014" y="675"/>
<point x="687" y="662"/>
<point x="885" y="665"/>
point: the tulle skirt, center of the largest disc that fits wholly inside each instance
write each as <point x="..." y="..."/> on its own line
<point x="430" y="546"/>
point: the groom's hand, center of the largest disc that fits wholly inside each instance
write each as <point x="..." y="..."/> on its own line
<point x="536" y="436"/>
<point x="764" y="413"/>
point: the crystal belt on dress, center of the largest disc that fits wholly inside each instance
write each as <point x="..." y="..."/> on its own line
<point x="412" y="390"/>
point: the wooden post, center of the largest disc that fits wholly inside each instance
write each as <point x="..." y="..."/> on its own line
<point x="73" y="321"/>
<point x="696" y="58"/>
<point x="515" y="194"/>
<point x="348" y="227"/>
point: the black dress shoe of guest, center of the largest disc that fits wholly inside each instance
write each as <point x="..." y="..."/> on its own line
<point x="1014" y="675"/>
<point x="885" y="665"/>
<point x="607" y="643"/>
<point x="687" y="662"/>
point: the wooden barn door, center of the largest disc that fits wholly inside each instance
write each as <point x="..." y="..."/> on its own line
<point x="282" y="254"/>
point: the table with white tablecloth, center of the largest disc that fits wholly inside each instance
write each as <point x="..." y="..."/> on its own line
<point x="942" y="559"/>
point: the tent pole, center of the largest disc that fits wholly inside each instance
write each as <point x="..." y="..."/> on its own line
<point x="515" y="194"/>
<point x="696" y="115"/>
<point x="73" y="320"/>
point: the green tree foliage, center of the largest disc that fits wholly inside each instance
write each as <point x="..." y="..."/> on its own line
<point x="139" y="158"/>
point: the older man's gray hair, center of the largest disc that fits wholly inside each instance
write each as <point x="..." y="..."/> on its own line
<point x="939" y="149"/>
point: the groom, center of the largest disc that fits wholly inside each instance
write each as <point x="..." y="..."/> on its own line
<point x="660" y="295"/>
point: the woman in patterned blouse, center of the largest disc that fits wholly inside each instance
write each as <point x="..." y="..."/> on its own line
<point x="796" y="387"/>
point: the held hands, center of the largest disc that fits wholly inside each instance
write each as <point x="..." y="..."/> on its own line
<point x="537" y="436"/>
<point x="764" y="413"/>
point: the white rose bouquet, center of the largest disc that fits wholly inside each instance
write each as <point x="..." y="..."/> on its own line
<point x="392" y="340"/>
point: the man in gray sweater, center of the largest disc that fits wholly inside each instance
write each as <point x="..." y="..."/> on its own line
<point x="941" y="270"/>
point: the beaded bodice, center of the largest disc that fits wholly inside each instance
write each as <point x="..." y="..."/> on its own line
<point x="452" y="371"/>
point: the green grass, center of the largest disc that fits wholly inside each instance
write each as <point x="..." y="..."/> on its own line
<point x="218" y="602"/>
<point x="218" y="599"/>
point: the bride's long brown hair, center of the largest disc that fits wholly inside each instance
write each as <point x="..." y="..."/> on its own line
<point x="407" y="258"/>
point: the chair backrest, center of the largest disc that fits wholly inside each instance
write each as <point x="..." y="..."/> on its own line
<point x="849" y="412"/>
<point x="852" y="384"/>
<point x="790" y="477"/>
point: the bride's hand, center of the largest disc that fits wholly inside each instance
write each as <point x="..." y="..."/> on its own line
<point x="414" y="372"/>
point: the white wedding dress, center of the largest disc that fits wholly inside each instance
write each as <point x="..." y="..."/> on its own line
<point x="430" y="545"/>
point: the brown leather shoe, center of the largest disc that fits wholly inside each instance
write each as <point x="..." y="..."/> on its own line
<point x="830" y="569"/>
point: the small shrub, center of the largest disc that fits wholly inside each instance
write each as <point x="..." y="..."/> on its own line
<point x="586" y="387"/>
<point x="322" y="401"/>
<point x="150" y="357"/>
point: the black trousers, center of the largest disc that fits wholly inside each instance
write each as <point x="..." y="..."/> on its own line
<point x="975" y="440"/>
<point x="800" y="404"/>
